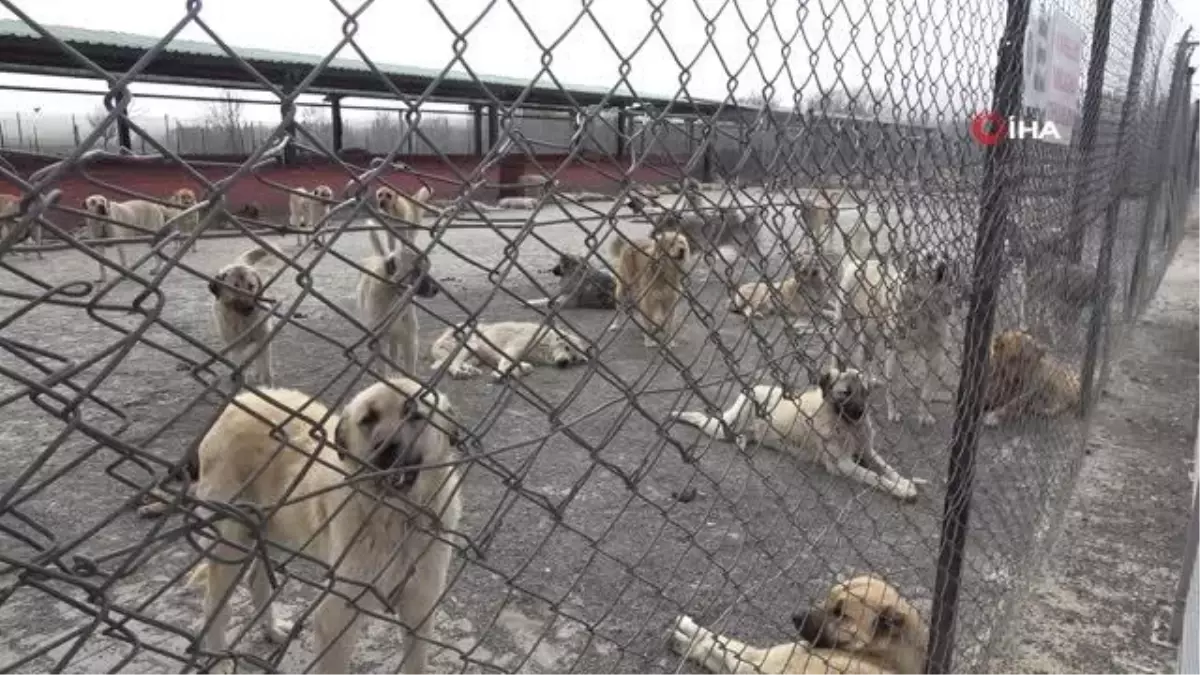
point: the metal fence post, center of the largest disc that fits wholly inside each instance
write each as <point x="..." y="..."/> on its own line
<point x="993" y="222"/>
<point x="1160" y="182"/>
<point x="1097" y="63"/>
<point x="1101" y="310"/>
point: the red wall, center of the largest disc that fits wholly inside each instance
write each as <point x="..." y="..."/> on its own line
<point x="161" y="179"/>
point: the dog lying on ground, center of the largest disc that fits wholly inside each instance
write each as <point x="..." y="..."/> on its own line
<point x="407" y="210"/>
<point x="385" y="301"/>
<point x="649" y="281"/>
<point x="803" y="295"/>
<point x="385" y="539"/>
<point x="864" y="625"/>
<point x="907" y="299"/>
<point x="134" y="218"/>
<point x="1024" y="380"/>
<point x="243" y="325"/>
<point x="580" y="286"/>
<point x="829" y="424"/>
<point x="508" y="348"/>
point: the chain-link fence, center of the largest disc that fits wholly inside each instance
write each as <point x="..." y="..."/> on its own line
<point x="573" y="375"/>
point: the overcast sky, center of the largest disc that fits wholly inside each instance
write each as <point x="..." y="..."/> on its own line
<point x="917" y="55"/>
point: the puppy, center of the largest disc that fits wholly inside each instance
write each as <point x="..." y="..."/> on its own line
<point x="384" y="296"/>
<point x="407" y="210"/>
<point x="181" y="200"/>
<point x="580" y="285"/>
<point x="508" y="348"/>
<point x="300" y="212"/>
<point x="318" y="207"/>
<point x="120" y="220"/>
<point x="884" y="304"/>
<point x="864" y="625"/>
<point x="1024" y="380"/>
<point x="242" y="324"/>
<point x="385" y="539"/>
<point x="828" y="423"/>
<point x="649" y="279"/>
<point x="10" y="210"/>
<point x="804" y="295"/>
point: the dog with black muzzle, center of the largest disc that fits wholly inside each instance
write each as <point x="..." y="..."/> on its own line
<point x="709" y="229"/>
<point x="580" y="286"/>
<point x="829" y="424"/>
<point x="864" y="625"/>
<point x="650" y="277"/>
<point x="509" y="348"/>
<point x="386" y="540"/>
<point x="241" y="322"/>
<point x="386" y="289"/>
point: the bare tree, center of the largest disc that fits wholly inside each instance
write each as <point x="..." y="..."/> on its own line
<point x="318" y="121"/>
<point x="227" y="115"/>
<point x="755" y="99"/>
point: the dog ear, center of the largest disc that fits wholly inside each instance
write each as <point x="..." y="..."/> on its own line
<point x="339" y="438"/>
<point x="940" y="272"/>
<point x="826" y="381"/>
<point x="389" y="266"/>
<point x="214" y="286"/>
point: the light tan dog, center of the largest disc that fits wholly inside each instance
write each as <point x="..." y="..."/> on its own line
<point x="829" y="423"/>
<point x="407" y="210"/>
<point x="864" y="625"/>
<point x="385" y="294"/>
<point x="120" y="220"/>
<point x="319" y="208"/>
<point x="385" y="538"/>
<point x="509" y="348"/>
<point x="883" y="305"/>
<point x="1024" y="380"/>
<point x="244" y="326"/>
<point x="650" y="275"/>
<point x="803" y="295"/>
<point x="181" y="200"/>
<point x="10" y="207"/>
<point x="300" y="212"/>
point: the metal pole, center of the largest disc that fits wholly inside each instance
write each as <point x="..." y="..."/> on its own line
<point x="124" y="138"/>
<point x="622" y="123"/>
<point x="1101" y="28"/>
<point x="1164" y="154"/>
<point x="1100" y="309"/>
<point x="477" y="129"/>
<point x="493" y="126"/>
<point x="989" y="248"/>
<point x="335" y="116"/>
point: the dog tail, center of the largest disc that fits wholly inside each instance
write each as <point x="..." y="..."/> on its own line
<point x="618" y="245"/>
<point x="198" y="576"/>
<point x="253" y="256"/>
<point x="442" y="347"/>
<point x="713" y="427"/>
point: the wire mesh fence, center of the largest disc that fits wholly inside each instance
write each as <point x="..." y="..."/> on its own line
<point x="530" y="378"/>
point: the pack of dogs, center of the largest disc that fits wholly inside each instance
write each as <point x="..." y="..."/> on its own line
<point x="375" y="490"/>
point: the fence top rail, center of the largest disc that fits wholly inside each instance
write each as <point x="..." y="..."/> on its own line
<point x="24" y="50"/>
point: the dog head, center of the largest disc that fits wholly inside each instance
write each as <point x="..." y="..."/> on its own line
<point x="397" y="427"/>
<point x="406" y="267"/>
<point x="323" y="192"/>
<point x="566" y="348"/>
<point x="672" y="245"/>
<point x="812" y="272"/>
<point x="385" y="199"/>
<point x="868" y="617"/>
<point x="1015" y="352"/>
<point x="184" y="198"/>
<point x="97" y="204"/>
<point x="846" y="390"/>
<point x="928" y="286"/>
<point x="237" y="286"/>
<point x="568" y="265"/>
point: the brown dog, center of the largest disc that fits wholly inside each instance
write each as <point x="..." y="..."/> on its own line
<point x="182" y="200"/>
<point x="1024" y="379"/>
<point x="863" y="626"/>
<point x="650" y="277"/>
<point x="10" y="209"/>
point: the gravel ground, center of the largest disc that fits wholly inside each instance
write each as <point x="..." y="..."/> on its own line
<point x="582" y="558"/>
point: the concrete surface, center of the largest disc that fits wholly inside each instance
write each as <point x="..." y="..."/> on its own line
<point x="1104" y="602"/>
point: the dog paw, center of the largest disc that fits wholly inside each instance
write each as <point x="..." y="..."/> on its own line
<point x="278" y="631"/>
<point x="182" y="367"/>
<point x="905" y="490"/>
<point x="991" y="420"/>
<point x="682" y="634"/>
<point x="894" y="415"/>
<point x="926" y="419"/>
<point x="463" y="372"/>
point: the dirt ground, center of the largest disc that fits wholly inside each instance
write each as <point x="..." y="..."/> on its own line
<point x="1104" y="601"/>
<point x="582" y="557"/>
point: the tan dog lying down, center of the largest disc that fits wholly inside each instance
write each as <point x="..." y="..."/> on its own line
<point x="1025" y="380"/>
<point x="508" y="348"/>
<point x="864" y="626"/>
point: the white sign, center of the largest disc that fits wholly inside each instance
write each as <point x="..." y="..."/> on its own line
<point x="1053" y="71"/>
